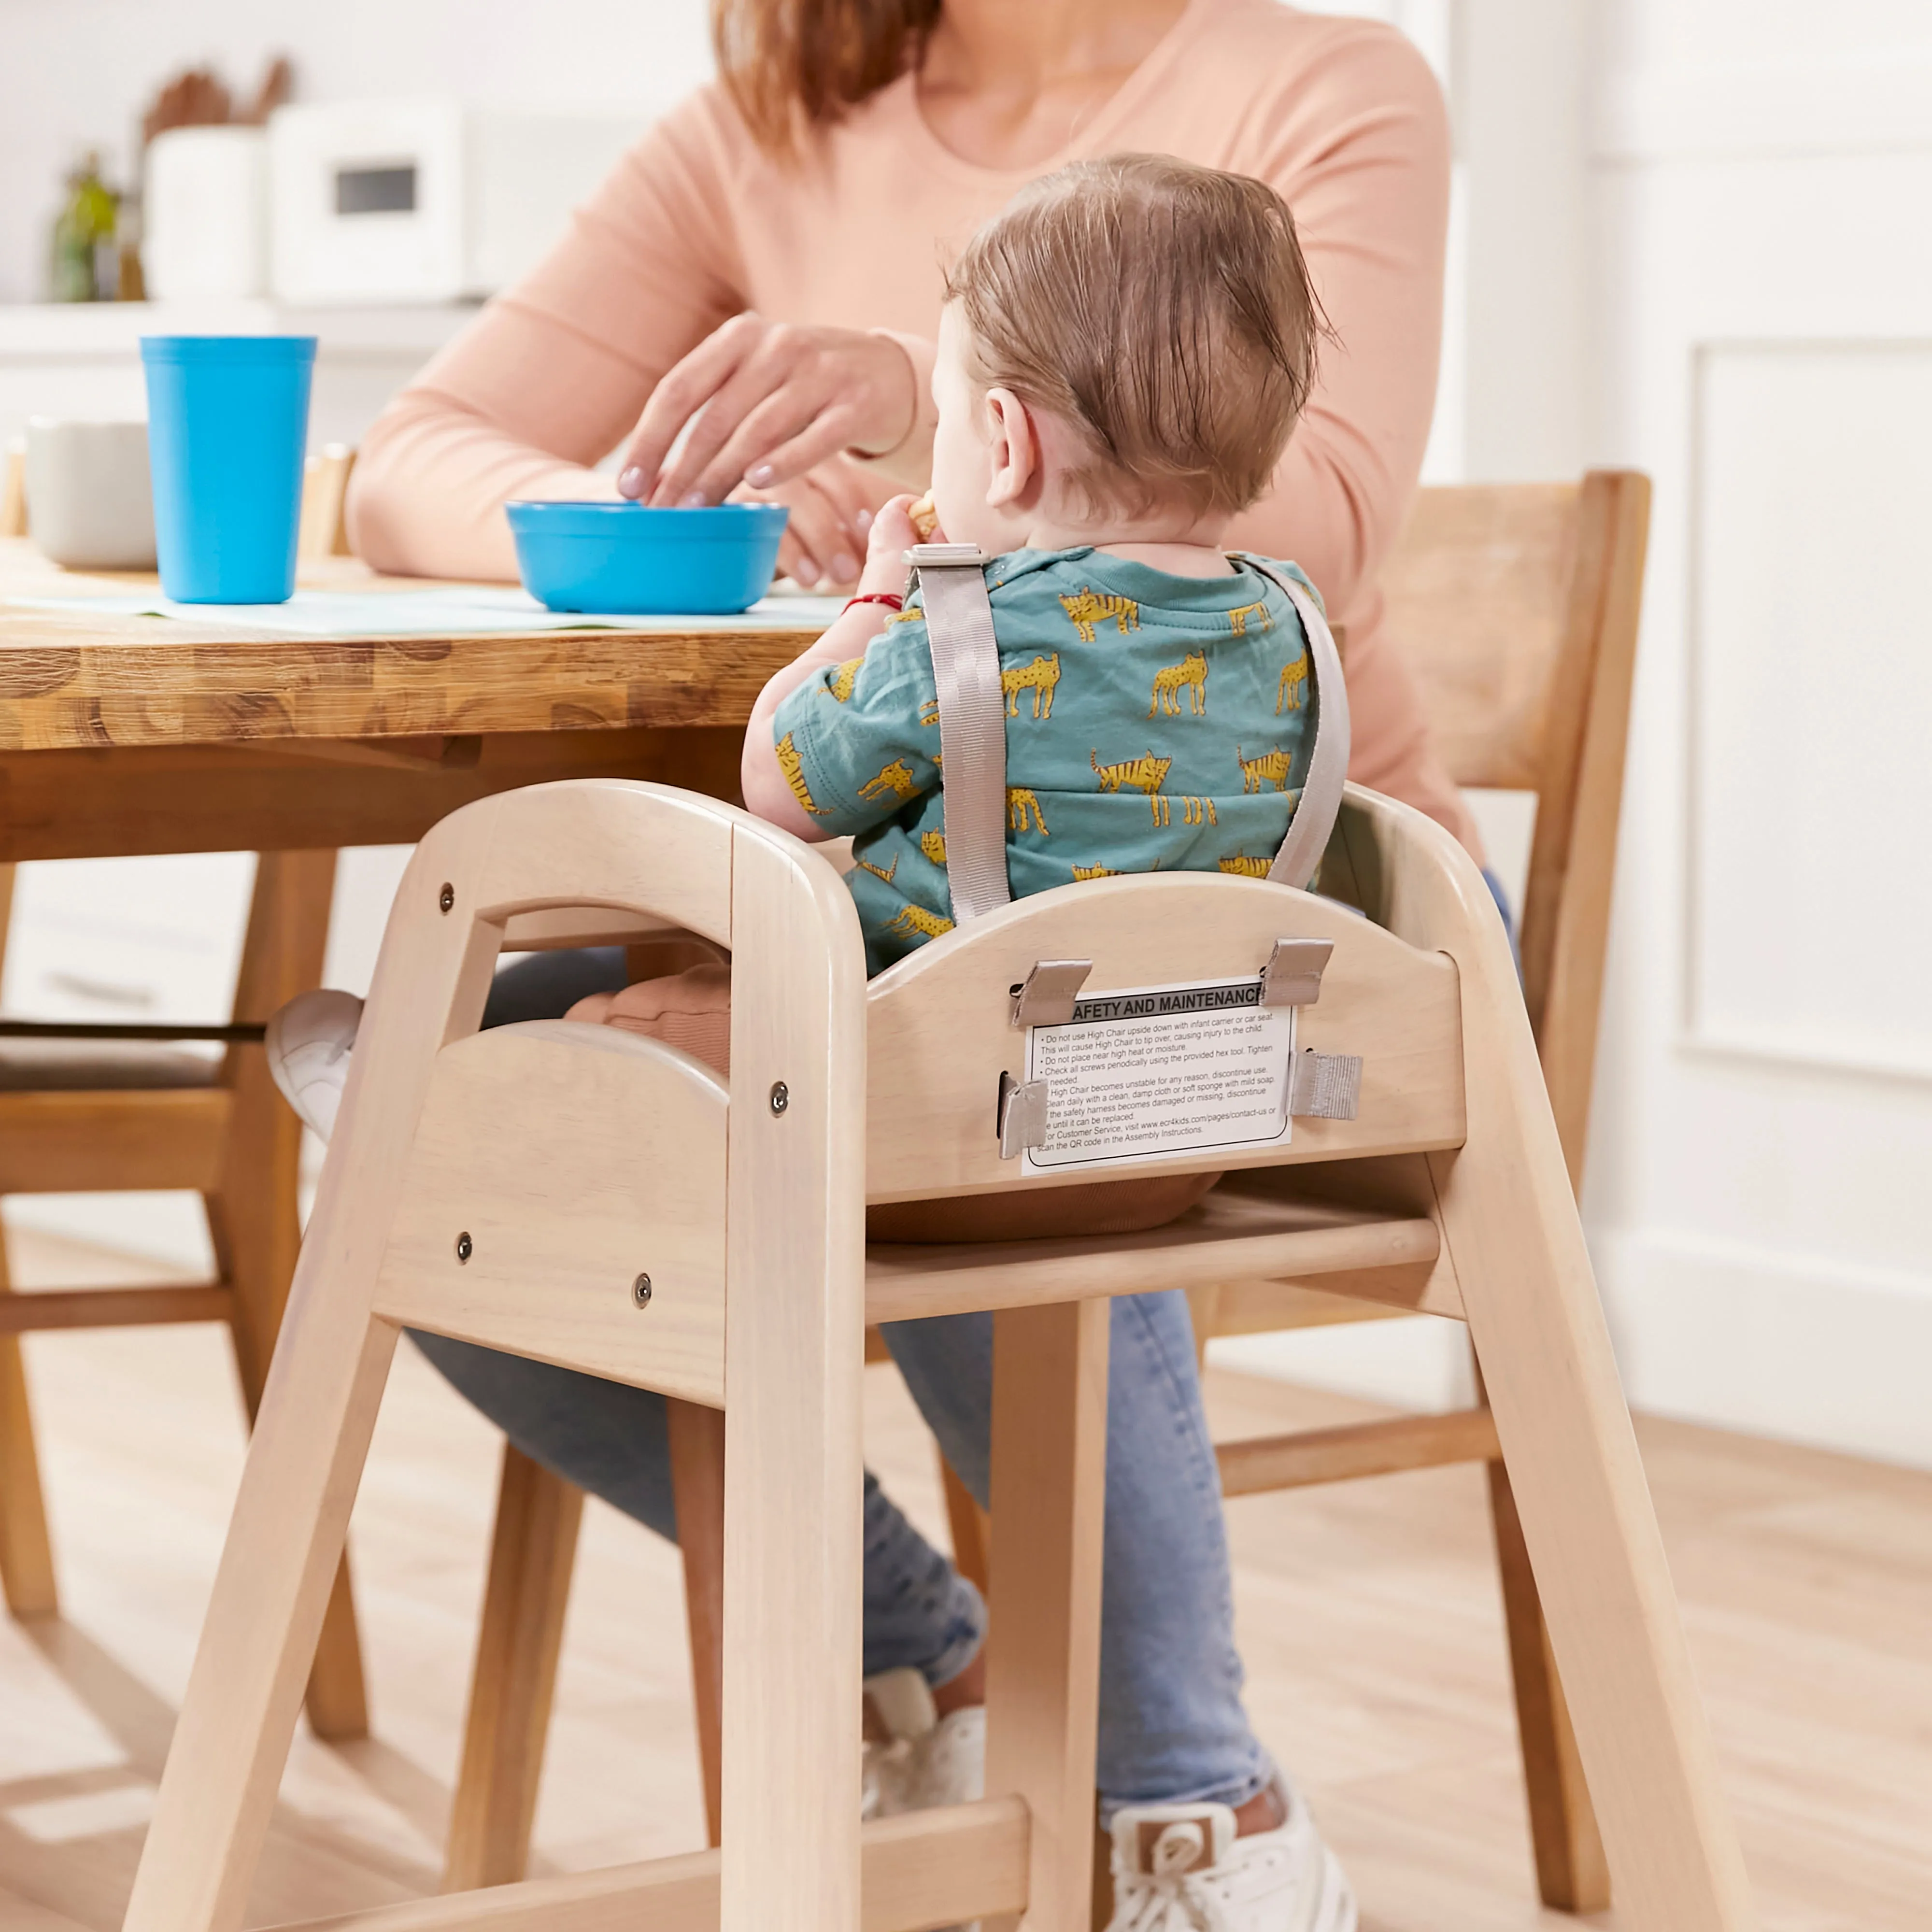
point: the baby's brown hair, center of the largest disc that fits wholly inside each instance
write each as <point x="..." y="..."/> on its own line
<point x="1161" y="309"/>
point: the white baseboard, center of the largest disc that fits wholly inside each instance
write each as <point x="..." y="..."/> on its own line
<point x="1800" y="1347"/>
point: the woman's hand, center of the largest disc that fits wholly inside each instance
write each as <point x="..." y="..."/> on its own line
<point x="761" y="403"/>
<point x="825" y="536"/>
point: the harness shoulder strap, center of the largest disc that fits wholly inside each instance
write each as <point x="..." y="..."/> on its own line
<point x="1314" y="813"/>
<point x="972" y="723"/>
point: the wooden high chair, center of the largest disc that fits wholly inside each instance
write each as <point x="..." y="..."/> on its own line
<point x="88" y="1108"/>
<point x="596" y="1199"/>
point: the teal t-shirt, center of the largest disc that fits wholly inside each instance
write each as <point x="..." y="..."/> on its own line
<point x="1154" y="723"/>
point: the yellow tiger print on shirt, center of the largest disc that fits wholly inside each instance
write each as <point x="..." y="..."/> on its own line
<point x="1095" y="872"/>
<point x="1021" y="799"/>
<point x="894" y="780"/>
<point x="1246" y="867"/>
<point x="1237" y="619"/>
<point x="878" y="872"/>
<point x="1293" y="678"/>
<point x="1148" y="774"/>
<point x="1271" y="768"/>
<point x="1190" y="675"/>
<point x="1040" y="677"/>
<point x="933" y="844"/>
<point x="1091" y="608"/>
<point x="792" y="765"/>
<point x="914" y="921"/>
<point x="842" y="680"/>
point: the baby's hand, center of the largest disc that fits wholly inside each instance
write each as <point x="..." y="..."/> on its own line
<point x="891" y="536"/>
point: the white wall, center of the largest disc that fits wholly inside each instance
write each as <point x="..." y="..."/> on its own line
<point x="1762" y="173"/>
<point x="78" y="73"/>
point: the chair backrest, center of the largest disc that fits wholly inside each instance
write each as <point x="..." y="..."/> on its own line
<point x="1517" y="605"/>
<point x="324" y="529"/>
<point x="14" y="489"/>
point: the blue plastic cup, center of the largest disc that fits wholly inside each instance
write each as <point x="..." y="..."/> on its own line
<point x="227" y="427"/>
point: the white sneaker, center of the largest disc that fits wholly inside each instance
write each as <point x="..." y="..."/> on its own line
<point x="930" y="1760"/>
<point x="307" y="1043"/>
<point x="1180" y="1868"/>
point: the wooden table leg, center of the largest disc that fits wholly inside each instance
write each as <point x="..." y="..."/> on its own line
<point x="1572" y="1873"/>
<point x="697" y="1487"/>
<point x="531" y="1557"/>
<point x="253" y="1216"/>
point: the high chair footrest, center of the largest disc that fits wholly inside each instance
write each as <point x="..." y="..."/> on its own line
<point x="1225" y="1239"/>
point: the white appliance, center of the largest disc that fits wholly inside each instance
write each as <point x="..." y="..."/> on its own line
<point x="204" y="215"/>
<point x="427" y="200"/>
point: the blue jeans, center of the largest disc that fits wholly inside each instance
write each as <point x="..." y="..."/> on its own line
<point x="1172" y="1730"/>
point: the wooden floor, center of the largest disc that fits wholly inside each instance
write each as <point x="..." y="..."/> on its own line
<point x="1368" y="1618"/>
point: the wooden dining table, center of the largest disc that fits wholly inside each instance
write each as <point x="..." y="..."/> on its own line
<point x="122" y="735"/>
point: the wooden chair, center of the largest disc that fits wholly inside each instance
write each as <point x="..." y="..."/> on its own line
<point x="85" y="1108"/>
<point x="597" y="1200"/>
<point x="1518" y="604"/>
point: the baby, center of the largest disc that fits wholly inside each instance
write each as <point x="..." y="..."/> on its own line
<point x="1122" y="355"/>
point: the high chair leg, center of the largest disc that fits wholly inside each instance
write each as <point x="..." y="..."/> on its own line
<point x="1043" y="1672"/>
<point x="284" y="1542"/>
<point x="533" y="1549"/>
<point x="318" y="1409"/>
<point x="794" y="1353"/>
<point x="1510" y="1223"/>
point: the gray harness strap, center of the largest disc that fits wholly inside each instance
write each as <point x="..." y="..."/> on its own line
<point x="972" y="723"/>
<point x="973" y="728"/>
<point x="1314" y="813"/>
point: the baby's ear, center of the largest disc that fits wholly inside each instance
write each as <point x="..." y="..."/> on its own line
<point x="1013" y="451"/>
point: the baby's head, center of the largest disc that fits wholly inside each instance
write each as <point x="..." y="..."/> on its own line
<point x="1124" y="352"/>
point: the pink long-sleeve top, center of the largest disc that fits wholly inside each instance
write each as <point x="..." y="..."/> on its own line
<point x="698" y="223"/>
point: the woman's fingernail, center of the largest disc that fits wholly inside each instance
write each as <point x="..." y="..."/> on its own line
<point x="843" y="568"/>
<point x="693" y="499"/>
<point x="630" y="483"/>
<point x="759" y="476"/>
<point x="863" y="522"/>
<point x="807" y="571"/>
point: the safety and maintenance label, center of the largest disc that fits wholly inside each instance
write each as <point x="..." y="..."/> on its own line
<point x="1153" y="1070"/>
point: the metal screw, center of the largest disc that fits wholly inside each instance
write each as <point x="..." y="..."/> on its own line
<point x="446" y="897"/>
<point x="781" y="1096"/>
<point x="641" y="1290"/>
<point x="465" y="1247"/>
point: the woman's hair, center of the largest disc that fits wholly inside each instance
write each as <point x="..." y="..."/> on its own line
<point x="1163" y="310"/>
<point x="789" y="62"/>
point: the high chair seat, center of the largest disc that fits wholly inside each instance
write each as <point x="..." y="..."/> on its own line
<point x="582" y="1197"/>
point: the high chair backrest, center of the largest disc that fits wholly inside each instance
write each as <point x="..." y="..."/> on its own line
<point x="1516" y="606"/>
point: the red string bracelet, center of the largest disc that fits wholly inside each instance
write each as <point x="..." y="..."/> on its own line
<point x="891" y="599"/>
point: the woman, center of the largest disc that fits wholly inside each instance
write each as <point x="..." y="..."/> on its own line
<point x="748" y="304"/>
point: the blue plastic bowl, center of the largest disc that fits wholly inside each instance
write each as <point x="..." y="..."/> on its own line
<point x="621" y="557"/>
